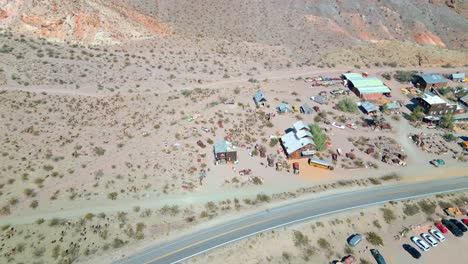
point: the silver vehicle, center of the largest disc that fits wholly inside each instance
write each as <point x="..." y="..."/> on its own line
<point x="420" y="243"/>
<point x="354" y="240"/>
<point x="437" y="235"/>
<point x="429" y="239"/>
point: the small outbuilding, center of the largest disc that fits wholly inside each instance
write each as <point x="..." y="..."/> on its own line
<point x="393" y="106"/>
<point x="368" y="108"/>
<point x="425" y="81"/>
<point x="306" y="109"/>
<point x="225" y="152"/>
<point x="260" y="98"/>
<point x="319" y="99"/>
<point x="284" y="108"/>
<point x="457" y="77"/>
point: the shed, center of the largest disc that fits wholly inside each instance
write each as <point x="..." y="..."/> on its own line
<point x="260" y="98"/>
<point x="457" y="77"/>
<point x="464" y="100"/>
<point x="225" y="152"/>
<point x="306" y="109"/>
<point x="284" y="108"/>
<point x="395" y="105"/>
<point x="368" y="108"/>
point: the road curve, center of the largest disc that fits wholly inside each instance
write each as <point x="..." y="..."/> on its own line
<point x="205" y="240"/>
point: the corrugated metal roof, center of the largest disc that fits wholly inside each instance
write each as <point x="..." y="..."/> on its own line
<point x="433" y="78"/>
<point x="283" y="107"/>
<point x="369" y="107"/>
<point x="224" y="146"/>
<point x="393" y="105"/>
<point x="374" y="89"/>
<point x="292" y="143"/>
<point x="458" y="76"/>
<point x="307" y="109"/>
<point x="259" y="96"/>
<point x="300" y="125"/>
<point x="352" y="75"/>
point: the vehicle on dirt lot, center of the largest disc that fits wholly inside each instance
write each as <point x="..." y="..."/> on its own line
<point x="353" y="240"/>
<point x="437" y="235"/>
<point x="412" y="251"/>
<point x="465" y="221"/>
<point x="420" y="243"/>
<point x="460" y="226"/>
<point x="429" y="239"/>
<point x="441" y="227"/>
<point x="378" y="257"/>
<point x="437" y="162"/>
<point x="452" y="227"/>
<point x="317" y="109"/>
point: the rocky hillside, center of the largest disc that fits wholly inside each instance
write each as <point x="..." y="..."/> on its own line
<point x="298" y="24"/>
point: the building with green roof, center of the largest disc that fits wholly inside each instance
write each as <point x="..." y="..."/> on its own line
<point x="367" y="88"/>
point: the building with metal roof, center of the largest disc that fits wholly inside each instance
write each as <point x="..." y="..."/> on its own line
<point x="366" y="87"/>
<point x="298" y="142"/>
<point x="425" y="81"/>
<point x="260" y="98"/>
<point x="434" y="105"/>
<point x="395" y="105"/>
<point x="368" y="108"/>
<point x="284" y="108"/>
<point x="225" y="152"/>
<point x="306" y="109"/>
<point x="457" y="77"/>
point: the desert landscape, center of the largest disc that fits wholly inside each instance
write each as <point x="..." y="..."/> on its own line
<point x="111" y="113"/>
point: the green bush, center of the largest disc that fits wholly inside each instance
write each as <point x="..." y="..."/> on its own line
<point x="347" y="105"/>
<point x="320" y="139"/>
<point x="388" y="215"/>
<point x="374" y="239"/>
<point x="411" y="209"/>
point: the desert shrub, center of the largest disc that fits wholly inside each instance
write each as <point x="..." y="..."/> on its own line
<point x="273" y="142"/>
<point x="347" y="105"/>
<point x="375" y="181"/>
<point x="112" y="195"/>
<point x="404" y="76"/>
<point x="427" y="207"/>
<point x="374" y="239"/>
<point x="388" y="215"/>
<point x="377" y="224"/>
<point x="300" y="239"/>
<point x="263" y="198"/>
<point x="411" y="209"/>
<point x="324" y="244"/>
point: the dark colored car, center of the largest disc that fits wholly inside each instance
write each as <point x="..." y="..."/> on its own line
<point x="459" y="224"/>
<point x="452" y="227"/>
<point x="379" y="258"/>
<point x="412" y="251"/>
<point x="317" y="109"/>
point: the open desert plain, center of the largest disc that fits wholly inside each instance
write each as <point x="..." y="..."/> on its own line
<point x="233" y="131"/>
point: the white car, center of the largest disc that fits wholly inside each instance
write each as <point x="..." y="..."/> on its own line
<point x="420" y="243"/>
<point x="437" y="235"/>
<point x="431" y="240"/>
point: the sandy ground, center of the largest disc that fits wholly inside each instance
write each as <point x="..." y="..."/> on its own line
<point x="68" y="155"/>
<point x="278" y="246"/>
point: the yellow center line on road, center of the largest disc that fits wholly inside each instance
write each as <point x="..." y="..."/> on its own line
<point x="264" y="221"/>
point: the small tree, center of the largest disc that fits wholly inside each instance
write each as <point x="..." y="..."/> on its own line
<point x="446" y="121"/>
<point x="417" y="114"/>
<point x="347" y="105"/>
<point x="320" y="139"/>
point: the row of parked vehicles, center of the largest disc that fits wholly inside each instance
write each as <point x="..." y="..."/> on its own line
<point x="426" y="241"/>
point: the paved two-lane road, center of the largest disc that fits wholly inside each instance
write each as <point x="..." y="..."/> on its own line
<point x="205" y="240"/>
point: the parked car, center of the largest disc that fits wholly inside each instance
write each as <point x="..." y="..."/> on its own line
<point x="353" y="240"/>
<point x="437" y="235"/>
<point x="317" y="109"/>
<point x="437" y="162"/>
<point x="452" y="227"/>
<point x="429" y="239"/>
<point x="441" y="227"/>
<point x="465" y="221"/>
<point x="460" y="226"/>
<point x="412" y="251"/>
<point x="420" y="243"/>
<point x="378" y="257"/>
